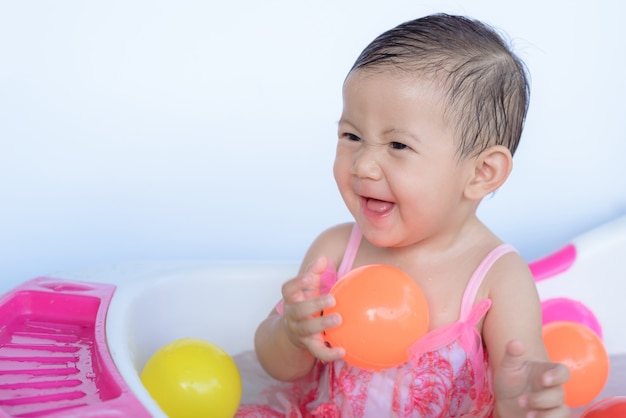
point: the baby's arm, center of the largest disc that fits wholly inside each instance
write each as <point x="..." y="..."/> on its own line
<point x="526" y="382"/>
<point x="289" y="344"/>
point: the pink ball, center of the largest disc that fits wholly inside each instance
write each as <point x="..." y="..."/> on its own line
<point x="565" y="309"/>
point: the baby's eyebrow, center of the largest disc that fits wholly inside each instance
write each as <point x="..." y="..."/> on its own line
<point x="403" y="132"/>
<point x="344" y="121"/>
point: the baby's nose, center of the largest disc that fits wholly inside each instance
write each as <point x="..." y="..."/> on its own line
<point x="366" y="164"/>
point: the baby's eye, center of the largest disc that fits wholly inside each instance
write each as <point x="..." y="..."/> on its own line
<point x="398" y="145"/>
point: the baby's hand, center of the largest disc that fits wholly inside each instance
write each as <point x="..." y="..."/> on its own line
<point x="301" y="313"/>
<point x="526" y="388"/>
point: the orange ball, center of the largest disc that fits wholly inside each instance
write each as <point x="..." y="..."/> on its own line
<point x="383" y="313"/>
<point x="612" y="407"/>
<point x="583" y="352"/>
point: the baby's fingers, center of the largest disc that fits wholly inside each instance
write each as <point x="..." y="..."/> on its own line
<point x="326" y="354"/>
<point x="297" y="289"/>
<point x="308" y="308"/>
<point x="514" y="358"/>
<point x="316" y="344"/>
<point x="306" y="285"/>
<point x="311" y="326"/>
<point x="546" y="375"/>
<point x="560" y="412"/>
<point x="548" y="399"/>
<point x="555" y="375"/>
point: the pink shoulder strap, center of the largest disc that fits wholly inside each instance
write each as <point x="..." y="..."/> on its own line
<point x="351" y="249"/>
<point x="469" y="297"/>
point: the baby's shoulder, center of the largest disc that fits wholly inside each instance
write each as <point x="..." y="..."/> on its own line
<point x="331" y="242"/>
<point x="508" y="274"/>
<point x="338" y="231"/>
<point x="335" y="238"/>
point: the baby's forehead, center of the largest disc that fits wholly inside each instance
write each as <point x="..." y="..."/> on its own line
<point x="391" y="73"/>
<point x="430" y="86"/>
<point x="434" y="80"/>
<point x="395" y="94"/>
<point x="426" y="85"/>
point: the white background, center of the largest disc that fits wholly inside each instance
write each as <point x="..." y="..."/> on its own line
<point x="139" y="130"/>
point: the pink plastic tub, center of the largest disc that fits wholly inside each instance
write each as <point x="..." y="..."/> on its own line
<point x="54" y="360"/>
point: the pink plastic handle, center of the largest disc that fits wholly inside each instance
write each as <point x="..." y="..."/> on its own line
<point x="553" y="264"/>
<point x="54" y="360"/>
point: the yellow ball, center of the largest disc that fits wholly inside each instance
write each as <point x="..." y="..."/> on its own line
<point x="191" y="378"/>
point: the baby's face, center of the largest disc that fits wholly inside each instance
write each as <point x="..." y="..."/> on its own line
<point x="396" y="165"/>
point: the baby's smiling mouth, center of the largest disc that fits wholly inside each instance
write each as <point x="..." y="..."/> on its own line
<point x="377" y="206"/>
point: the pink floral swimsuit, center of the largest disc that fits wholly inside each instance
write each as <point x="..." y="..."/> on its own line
<point x="447" y="374"/>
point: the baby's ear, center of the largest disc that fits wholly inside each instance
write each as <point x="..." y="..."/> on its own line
<point x="491" y="168"/>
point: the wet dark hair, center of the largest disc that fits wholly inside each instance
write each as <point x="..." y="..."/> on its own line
<point x="486" y="89"/>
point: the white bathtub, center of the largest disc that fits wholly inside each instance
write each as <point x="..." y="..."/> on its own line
<point x="219" y="302"/>
<point x="157" y="302"/>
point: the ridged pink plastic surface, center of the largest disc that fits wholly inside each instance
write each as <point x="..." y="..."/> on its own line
<point x="54" y="361"/>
